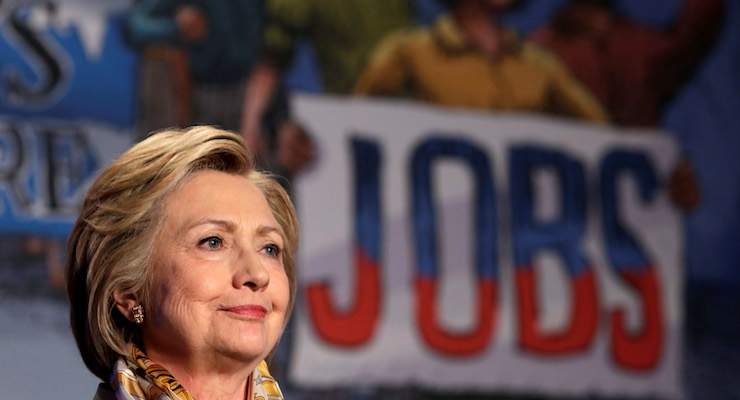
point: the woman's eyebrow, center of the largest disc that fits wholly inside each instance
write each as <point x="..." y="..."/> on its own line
<point x="231" y="226"/>
<point x="267" y="229"/>
<point x="227" y="225"/>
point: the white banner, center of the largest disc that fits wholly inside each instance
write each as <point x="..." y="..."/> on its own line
<point x="488" y="252"/>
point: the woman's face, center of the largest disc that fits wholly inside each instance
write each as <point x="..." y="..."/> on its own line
<point x="219" y="288"/>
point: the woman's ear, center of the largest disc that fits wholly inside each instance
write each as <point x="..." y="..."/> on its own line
<point x="125" y="303"/>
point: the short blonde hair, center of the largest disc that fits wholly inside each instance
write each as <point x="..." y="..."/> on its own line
<point x="111" y="245"/>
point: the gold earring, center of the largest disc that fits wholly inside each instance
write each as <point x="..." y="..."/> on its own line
<point x="138" y="314"/>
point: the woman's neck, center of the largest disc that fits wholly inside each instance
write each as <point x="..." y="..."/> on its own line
<point x="217" y="387"/>
<point x="210" y="379"/>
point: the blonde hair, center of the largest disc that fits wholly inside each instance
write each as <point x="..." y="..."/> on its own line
<point x="111" y="245"/>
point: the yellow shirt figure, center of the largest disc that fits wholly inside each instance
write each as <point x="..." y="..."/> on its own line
<point x="342" y="32"/>
<point x="438" y="65"/>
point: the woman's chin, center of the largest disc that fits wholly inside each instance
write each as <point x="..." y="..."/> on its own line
<point x="246" y="354"/>
<point x="246" y="347"/>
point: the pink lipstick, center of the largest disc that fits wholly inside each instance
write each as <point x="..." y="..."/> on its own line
<point x="248" y="310"/>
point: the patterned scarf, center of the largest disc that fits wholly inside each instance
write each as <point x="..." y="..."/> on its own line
<point x="139" y="378"/>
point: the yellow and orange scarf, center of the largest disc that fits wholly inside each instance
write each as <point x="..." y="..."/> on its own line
<point x="139" y="378"/>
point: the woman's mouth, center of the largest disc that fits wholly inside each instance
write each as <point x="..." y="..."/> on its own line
<point x="248" y="310"/>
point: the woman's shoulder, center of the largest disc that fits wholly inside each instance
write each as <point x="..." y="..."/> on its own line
<point x="104" y="393"/>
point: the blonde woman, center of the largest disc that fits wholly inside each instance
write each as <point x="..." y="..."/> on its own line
<point x="181" y="272"/>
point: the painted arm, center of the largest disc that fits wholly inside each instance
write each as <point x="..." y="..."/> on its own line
<point x="262" y="85"/>
<point x="385" y="73"/>
<point x="696" y="30"/>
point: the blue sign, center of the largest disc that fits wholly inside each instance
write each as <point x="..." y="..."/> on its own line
<point x="67" y="107"/>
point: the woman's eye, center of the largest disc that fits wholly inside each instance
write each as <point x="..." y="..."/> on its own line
<point x="272" y="250"/>
<point x="212" y="242"/>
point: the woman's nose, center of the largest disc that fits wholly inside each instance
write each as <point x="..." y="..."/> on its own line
<point x="251" y="272"/>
